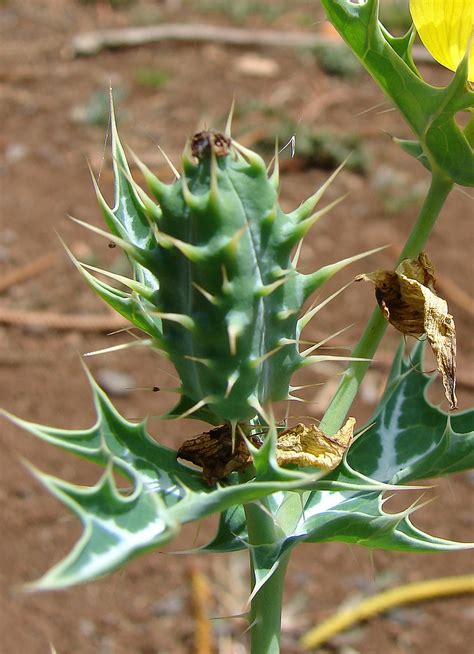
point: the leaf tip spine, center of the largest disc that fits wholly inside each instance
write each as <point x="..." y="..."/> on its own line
<point x="230" y="117"/>
<point x="182" y="319"/>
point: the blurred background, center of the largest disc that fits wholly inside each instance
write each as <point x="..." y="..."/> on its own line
<point x="292" y="78"/>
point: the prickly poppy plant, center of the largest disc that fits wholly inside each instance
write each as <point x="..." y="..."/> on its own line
<point x="214" y="286"/>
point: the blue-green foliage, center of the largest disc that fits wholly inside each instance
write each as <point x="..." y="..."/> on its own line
<point x="346" y="505"/>
<point x="214" y="284"/>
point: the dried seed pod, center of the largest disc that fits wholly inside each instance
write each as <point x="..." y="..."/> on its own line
<point x="408" y="300"/>
<point x="306" y="445"/>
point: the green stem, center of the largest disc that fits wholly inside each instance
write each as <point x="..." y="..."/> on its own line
<point x="265" y="611"/>
<point x="367" y="346"/>
<point x="469" y="129"/>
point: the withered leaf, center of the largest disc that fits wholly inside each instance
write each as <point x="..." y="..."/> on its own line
<point x="307" y="445"/>
<point x="213" y="452"/>
<point x="408" y="300"/>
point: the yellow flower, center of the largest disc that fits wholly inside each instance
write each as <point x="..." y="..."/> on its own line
<point x="445" y="27"/>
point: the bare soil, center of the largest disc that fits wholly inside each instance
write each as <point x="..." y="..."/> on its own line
<point x="45" y="140"/>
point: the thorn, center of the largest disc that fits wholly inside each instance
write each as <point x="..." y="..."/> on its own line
<point x="308" y="351"/>
<point x="287" y="414"/>
<point x="182" y="319"/>
<point x="294" y="398"/>
<point x="156" y="186"/>
<point x="304" y="320"/>
<point x="205" y="362"/>
<point x="319" y="359"/>
<point x="296" y="257"/>
<point x="122" y="346"/>
<point x="250" y="446"/>
<point x="364" y="430"/>
<point x="106" y="210"/>
<point x="186" y="158"/>
<point x="151" y="210"/>
<point x="230" y="117"/>
<point x="278" y="271"/>
<point x="305" y="209"/>
<point x="193" y="201"/>
<point x="267" y="289"/>
<point x="214" y="186"/>
<point x="195" y="253"/>
<point x="316" y="279"/>
<point x="95" y="183"/>
<point x="232" y="335"/>
<point x="258" y="360"/>
<point x="226" y="285"/>
<point x="112" y="111"/>
<point x="236" y="323"/>
<point x="139" y="254"/>
<point x="195" y="407"/>
<point x="251" y="625"/>
<point x="286" y="313"/>
<point x="231" y="246"/>
<point x="141" y="289"/>
<point x="255" y="404"/>
<point x="269" y="217"/>
<point x="234" y="330"/>
<point x="302" y="227"/>
<point x="414" y="506"/>
<point x="168" y="161"/>
<point x="288" y="341"/>
<point x="275" y="176"/>
<point x="232" y="379"/>
<point x="102" y="287"/>
<point x="251" y="157"/>
<point x="304" y="386"/>
<point x="213" y="299"/>
<point x="126" y="330"/>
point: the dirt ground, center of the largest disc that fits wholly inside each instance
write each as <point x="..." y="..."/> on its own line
<point x="53" y="118"/>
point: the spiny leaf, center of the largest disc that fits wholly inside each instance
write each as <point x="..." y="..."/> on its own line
<point x="116" y="529"/>
<point x="407" y="439"/>
<point x="360" y="519"/>
<point x="410" y="438"/>
<point x="131" y="306"/>
<point x="231" y="533"/>
<point x="162" y="495"/>
<point x="127" y="218"/>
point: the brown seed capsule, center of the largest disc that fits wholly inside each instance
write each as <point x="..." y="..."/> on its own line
<point x="203" y="143"/>
<point x="216" y="454"/>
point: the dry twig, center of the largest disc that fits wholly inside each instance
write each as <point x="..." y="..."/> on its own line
<point x="43" y="320"/>
<point x="91" y="43"/>
<point x="200" y="599"/>
<point x="22" y="274"/>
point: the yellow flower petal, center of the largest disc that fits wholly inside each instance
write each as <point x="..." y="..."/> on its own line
<point x="445" y="27"/>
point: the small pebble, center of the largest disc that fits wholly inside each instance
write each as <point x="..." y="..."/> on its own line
<point x="15" y="152"/>
<point x="254" y="65"/>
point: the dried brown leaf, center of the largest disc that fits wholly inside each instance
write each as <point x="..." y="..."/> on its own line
<point x="213" y="452"/>
<point x="408" y="300"/>
<point x="307" y="445"/>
